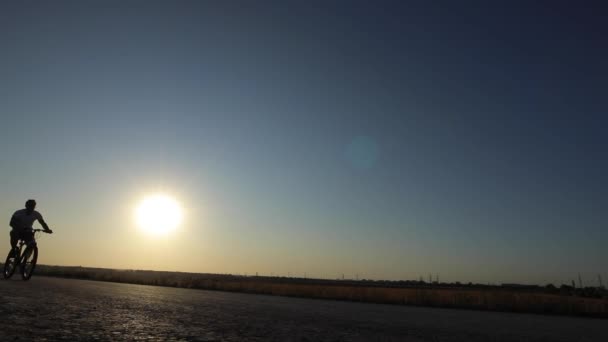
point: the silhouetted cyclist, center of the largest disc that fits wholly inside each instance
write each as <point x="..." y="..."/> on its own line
<point x="22" y="223"/>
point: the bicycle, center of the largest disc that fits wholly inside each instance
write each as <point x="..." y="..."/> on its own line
<point x="24" y="258"/>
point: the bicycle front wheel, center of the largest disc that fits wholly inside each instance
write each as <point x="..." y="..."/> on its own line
<point x="10" y="264"/>
<point x="28" y="262"/>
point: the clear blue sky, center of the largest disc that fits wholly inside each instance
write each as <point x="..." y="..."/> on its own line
<point x="388" y="139"/>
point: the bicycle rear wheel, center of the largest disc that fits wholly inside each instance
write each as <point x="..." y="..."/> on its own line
<point x="28" y="264"/>
<point x="10" y="264"/>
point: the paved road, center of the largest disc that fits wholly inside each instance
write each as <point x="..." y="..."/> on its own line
<point x="61" y="309"/>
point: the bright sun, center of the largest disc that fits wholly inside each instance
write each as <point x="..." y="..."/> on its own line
<point x="158" y="214"/>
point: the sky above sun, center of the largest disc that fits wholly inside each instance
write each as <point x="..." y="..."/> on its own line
<point x="384" y="139"/>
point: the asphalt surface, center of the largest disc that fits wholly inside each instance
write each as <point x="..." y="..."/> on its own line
<point x="76" y="310"/>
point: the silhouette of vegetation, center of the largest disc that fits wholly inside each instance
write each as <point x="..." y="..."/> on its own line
<point x="549" y="299"/>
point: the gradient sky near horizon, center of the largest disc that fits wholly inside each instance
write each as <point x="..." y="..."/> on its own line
<point x="384" y="139"/>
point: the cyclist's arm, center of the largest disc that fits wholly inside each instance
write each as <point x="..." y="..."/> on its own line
<point x="42" y="223"/>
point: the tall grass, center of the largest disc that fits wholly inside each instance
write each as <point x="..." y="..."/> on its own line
<point x="495" y="300"/>
<point x="490" y="298"/>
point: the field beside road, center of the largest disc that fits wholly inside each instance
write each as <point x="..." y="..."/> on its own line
<point x="77" y="310"/>
<point x="587" y="302"/>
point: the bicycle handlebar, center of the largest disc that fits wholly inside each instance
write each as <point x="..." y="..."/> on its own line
<point x="39" y="230"/>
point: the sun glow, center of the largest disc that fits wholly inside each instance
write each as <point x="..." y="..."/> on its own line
<point x="158" y="214"/>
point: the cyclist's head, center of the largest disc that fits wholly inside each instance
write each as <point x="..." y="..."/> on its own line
<point x="30" y="204"/>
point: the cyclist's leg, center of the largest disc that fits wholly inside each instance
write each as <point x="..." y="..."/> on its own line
<point x="14" y="238"/>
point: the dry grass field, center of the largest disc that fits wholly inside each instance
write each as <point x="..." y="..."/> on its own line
<point x="497" y="300"/>
<point x="465" y="297"/>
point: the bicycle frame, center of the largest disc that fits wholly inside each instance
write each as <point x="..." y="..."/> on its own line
<point x="32" y="242"/>
<point x="20" y="257"/>
<point x="24" y="243"/>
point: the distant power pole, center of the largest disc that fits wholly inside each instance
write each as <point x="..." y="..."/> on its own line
<point x="599" y="278"/>
<point x="580" y="281"/>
